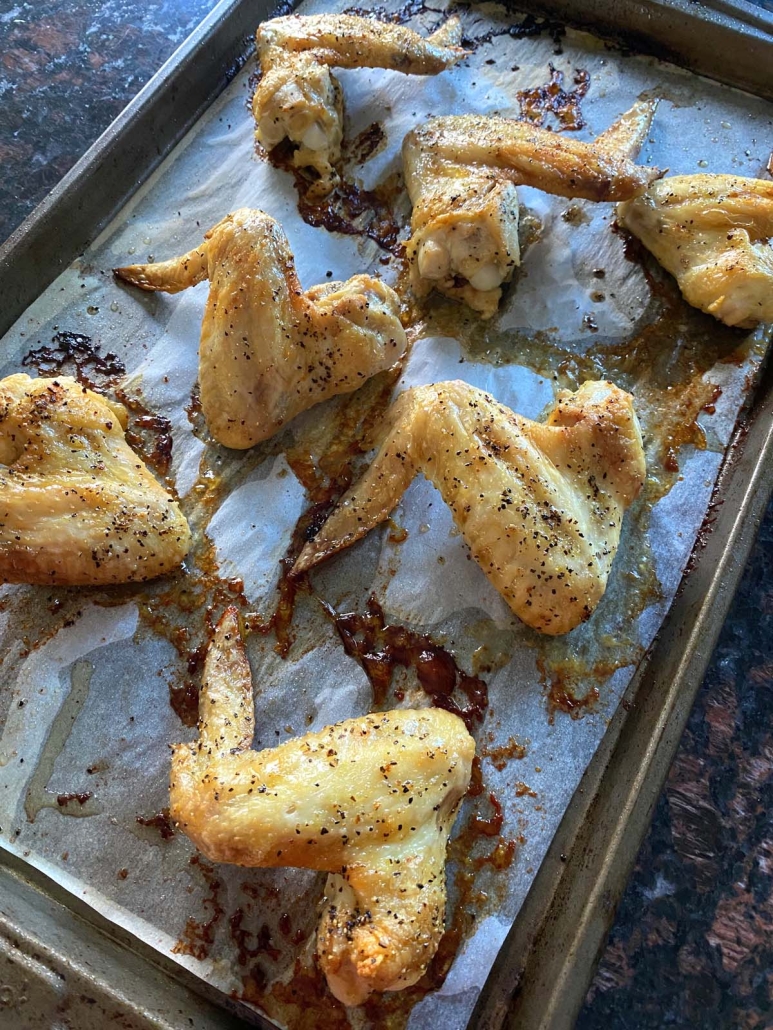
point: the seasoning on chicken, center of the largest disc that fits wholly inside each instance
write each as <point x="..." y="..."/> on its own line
<point x="299" y="99"/>
<point x="461" y="172"/>
<point x="77" y="506"/>
<point x="268" y="350"/>
<point x="540" y="505"/>
<point x="715" y="234"/>
<point x="371" y="801"/>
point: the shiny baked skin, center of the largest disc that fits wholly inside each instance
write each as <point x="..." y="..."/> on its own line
<point x="369" y="800"/>
<point x="299" y="99"/>
<point x="77" y="506"/>
<point x="714" y="233"/>
<point x="268" y="350"/>
<point x="539" y="504"/>
<point x="461" y="172"/>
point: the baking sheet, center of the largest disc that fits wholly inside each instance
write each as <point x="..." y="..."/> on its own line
<point x="96" y="716"/>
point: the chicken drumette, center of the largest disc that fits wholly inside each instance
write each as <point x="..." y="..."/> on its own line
<point x="715" y="234"/>
<point x="299" y="99"/>
<point x="461" y="172"/>
<point x="539" y="504"/>
<point x="371" y="801"/>
<point x="268" y="350"/>
<point x="77" y="506"/>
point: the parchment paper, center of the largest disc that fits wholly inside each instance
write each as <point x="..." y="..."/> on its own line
<point x="86" y="675"/>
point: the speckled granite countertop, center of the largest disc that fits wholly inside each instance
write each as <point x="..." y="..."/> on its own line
<point x="692" y="946"/>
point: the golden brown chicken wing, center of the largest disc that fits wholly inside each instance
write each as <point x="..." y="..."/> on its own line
<point x="715" y="234"/>
<point x="369" y="800"/>
<point x="461" y="172"/>
<point x="268" y="350"/>
<point x="539" y="504"/>
<point x="77" y="506"/>
<point x="299" y="99"/>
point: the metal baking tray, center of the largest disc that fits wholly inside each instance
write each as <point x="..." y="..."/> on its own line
<point x="59" y="947"/>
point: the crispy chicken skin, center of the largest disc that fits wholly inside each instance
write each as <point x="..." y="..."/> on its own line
<point x="715" y="234"/>
<point x="268" y="350"/>
<point x="299" y="99"/>
<point x="371" y="801"/>
<point x="77" y="506"/>
<point x="539" y="504"/>
<point x="461" y="173"/>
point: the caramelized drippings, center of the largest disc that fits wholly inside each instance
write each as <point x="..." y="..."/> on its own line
<point x="379" y="647"/>
<point x="73" y="354"/>
<point x="364" y="146"/>
<point x="198" y="937"/>
<point x="348" y="208"/>
<point x="161" y="821"/>
<point x="552" y="99"/>
<point x="81" y="797"/>
<point x="560" y="684"/>
<point x="502" y="754"/>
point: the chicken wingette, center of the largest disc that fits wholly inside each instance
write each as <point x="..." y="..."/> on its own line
<point x="299" y="99"/>
<point x="461" y="172"/>
<point x="77" y="506"/>
<point x="371" y="801"/>
<point x="268" y="350"/>
<point x="540" y="505"/>
<point x="714" y="233"/>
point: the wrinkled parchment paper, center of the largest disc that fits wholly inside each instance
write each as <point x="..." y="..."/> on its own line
<point x="85" y="685"/>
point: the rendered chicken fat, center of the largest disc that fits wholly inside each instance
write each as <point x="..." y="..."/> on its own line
<point x="369" y="800"/>
<point x="539" y="504"/>
<point x="77" y="506"/>
<point x="268" y="350"/>
<point x="299" y="99"/>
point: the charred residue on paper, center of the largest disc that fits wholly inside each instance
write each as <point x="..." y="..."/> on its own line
<point x="198" y="935"/>
<point x="75" y="354"/>
<point x="553" y="99"/>
<point x="348" y="208"/>
<point x="380" y="647"/>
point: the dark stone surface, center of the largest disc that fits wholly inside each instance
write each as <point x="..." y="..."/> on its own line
<point x="693" y="943"/>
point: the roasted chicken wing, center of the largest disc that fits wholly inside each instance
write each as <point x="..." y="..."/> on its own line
<point x="715" y="234"/>
<point x="461" y="173"/>
<point x="539" y="504"/>
<point x="77" y="506"/>
<point x="299" y="99"/>
<point x="370" y="801"/>
<point x="268" y="350"/>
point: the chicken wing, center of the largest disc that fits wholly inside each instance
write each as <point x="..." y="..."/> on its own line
<point x="539" y="504"/>
<point x="370" y="801"/>
<point x="268" y="350"/>
<point x="461" y="172"/>
<point x="299" y="99"/>
<point x="77" y="506"/>
<point x="715" y="234"/>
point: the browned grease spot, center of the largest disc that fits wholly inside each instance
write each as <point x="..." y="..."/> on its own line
<point x="81" y="796"/>
<point x="73" y="354"/>
<point x="551" y="98"/>
<point x="364" y="146"/>
<point x="397" y="534"/>
<point x="503" y="753"/>
<point x="161" y="821"/>
<point x="560" y="685"/>
<point x="348" y="208"/>
<point x="325" y="479"/>
<point x="379" y="647"/>
<point x="198" y="937"/>
<point x="524" y="790"/>
<point x="262" y="942"/>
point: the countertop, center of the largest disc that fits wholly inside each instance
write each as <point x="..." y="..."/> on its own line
<point x="692" y="945"/>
